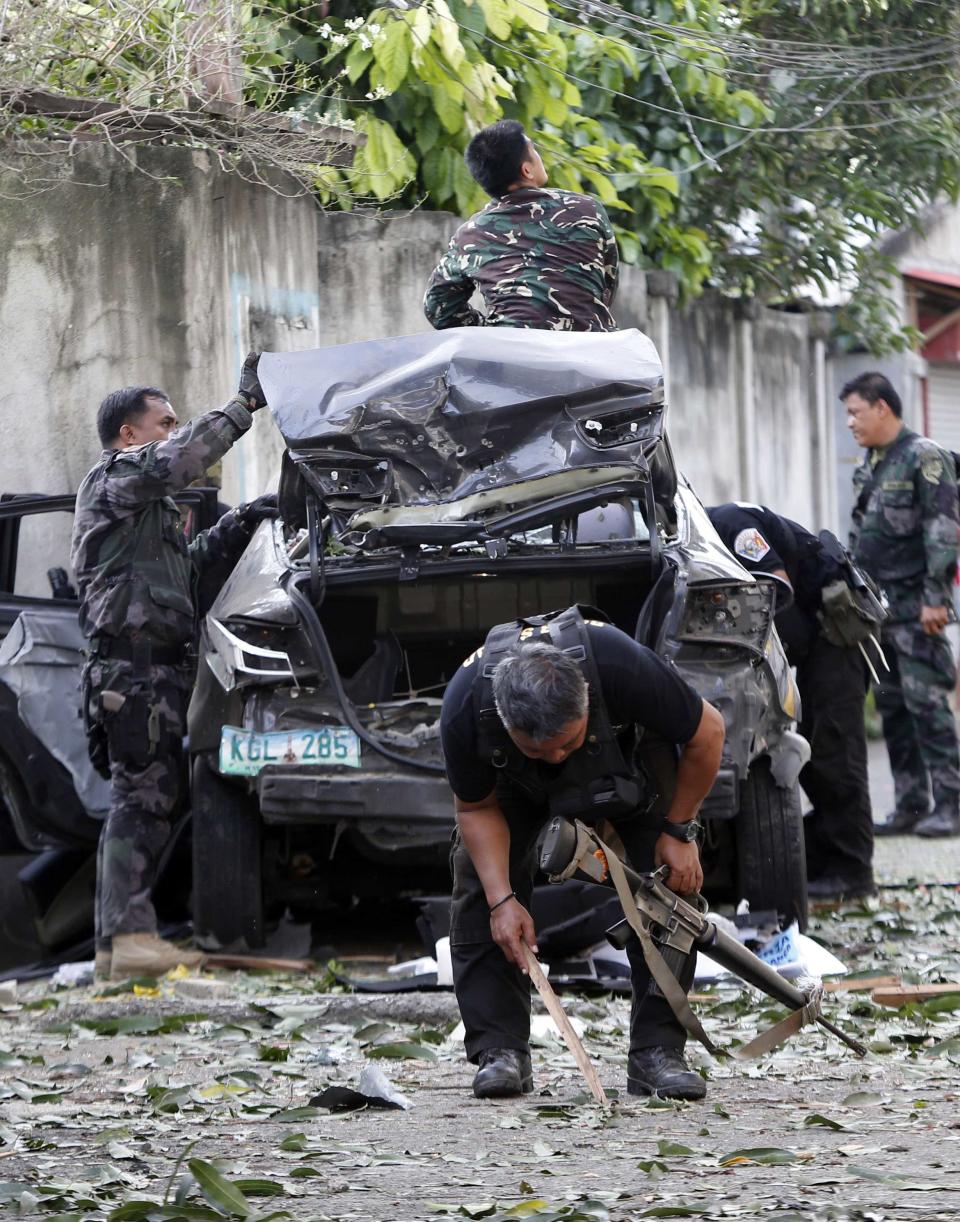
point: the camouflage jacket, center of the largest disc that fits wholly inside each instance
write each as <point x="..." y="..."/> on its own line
<point x="135" y="571"/>
<point x="904" y="528"/>
<point x="540" y="258"/>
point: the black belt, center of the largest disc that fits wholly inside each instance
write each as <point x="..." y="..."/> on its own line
<point x="134" y="651"/>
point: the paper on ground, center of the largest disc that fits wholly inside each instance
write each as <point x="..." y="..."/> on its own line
<point x="790" y="952"/>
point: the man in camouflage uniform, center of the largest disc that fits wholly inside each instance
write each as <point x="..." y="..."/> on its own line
<point x="138" y="581"/>
<point x="904" y="534"/>
<point x="540" y="258"/>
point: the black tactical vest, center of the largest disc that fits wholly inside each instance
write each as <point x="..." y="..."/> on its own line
<point x="600" y="780"/>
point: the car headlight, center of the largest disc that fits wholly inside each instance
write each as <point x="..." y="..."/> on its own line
<point x="231" y="657"/>
<point x="728" y="613"/>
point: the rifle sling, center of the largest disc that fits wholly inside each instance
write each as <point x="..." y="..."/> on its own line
<point x="761" y="1044"/>
<point x="774" y="1036"/>
<point x="666" y="981"/>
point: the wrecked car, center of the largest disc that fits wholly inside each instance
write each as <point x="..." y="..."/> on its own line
<point x="52" y="802"/>
<point x="434" y="485"/>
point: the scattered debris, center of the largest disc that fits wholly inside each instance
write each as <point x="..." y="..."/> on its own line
<point x="373" y="1090"/>
<point x="259" y="963"/>
<point x="202" y="988"/>
<point x="70" y="975"/>
<point x="903" y="994"/>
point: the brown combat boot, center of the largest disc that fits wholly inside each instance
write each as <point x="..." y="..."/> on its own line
<point x="144" y="954"/>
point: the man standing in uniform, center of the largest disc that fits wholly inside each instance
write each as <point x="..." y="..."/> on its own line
<point x="833" y="683"/>
<point x="541" y="258"/>
<point x="544" y="720"/>
<point x="138" y="580"/>
<point x="904" y="534"/>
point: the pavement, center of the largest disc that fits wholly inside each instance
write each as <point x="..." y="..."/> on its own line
<point x="116" y="1098"/>
<point x="200" y="1090"/>
<point x="898" y="859"/>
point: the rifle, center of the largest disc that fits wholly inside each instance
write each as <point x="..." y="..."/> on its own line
<point x="669" y="927"/>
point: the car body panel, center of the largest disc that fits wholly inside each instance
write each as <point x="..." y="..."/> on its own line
<point x="40" y="662"/>
<point x="458" y="418"/>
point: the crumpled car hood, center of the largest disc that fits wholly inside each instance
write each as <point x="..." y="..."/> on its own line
<point x="440" y="416"/>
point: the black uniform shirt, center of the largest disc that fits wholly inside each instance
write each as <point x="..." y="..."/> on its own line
<point x="763" y="542"/>
<point x="637" y="687"/>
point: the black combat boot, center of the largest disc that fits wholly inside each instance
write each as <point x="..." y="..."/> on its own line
<point x="899" y="823"/>
<point x="942" y="821"/>
<point x="663" y="1072"/>
<point x="841" y="887"/>
<point x="503" y="1072"/>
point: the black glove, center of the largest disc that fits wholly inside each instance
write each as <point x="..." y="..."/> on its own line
<point x="253" y="513"/>
<point x="250" y="388"/>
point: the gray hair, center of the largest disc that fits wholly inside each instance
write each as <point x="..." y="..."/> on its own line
<point x="538" y="689"/>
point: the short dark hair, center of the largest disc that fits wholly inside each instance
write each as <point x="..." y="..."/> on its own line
<point x="873" y="386"/>
<point x="121" y="406"/>
<point x="495" y="154"/>
<point x="538" y="689"/>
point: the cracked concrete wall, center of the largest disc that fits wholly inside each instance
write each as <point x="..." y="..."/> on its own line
<point x="162" y="275"/>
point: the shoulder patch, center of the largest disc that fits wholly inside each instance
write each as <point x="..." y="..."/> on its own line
<point x="750" y="544"/>
<point x="931" y="466"/>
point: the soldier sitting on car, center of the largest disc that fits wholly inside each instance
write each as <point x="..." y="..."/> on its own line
<point x="540" y="257"/>
<point x="138" y="579"/>
<point x="546" y="719"/>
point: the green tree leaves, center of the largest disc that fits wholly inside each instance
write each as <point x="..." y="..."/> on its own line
<point x="392" y="54"/>
<point x="436" y="73"/>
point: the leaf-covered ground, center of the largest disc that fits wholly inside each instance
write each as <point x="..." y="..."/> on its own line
<point x="114" y="1102"/>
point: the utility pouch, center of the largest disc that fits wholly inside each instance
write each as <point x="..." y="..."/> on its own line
<point x="96" y="732"/>
<point x="849" y="616"/>
<point x="131" y="722"/>
<point x="611" y="797"/>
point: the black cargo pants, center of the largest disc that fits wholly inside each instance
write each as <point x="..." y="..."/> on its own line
<point x="493" y="995"/>
<point x="839" y="831"/>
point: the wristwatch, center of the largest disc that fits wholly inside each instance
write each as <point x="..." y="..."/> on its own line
<point x="686" y="832"/>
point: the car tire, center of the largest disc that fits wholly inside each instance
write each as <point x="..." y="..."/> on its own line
<point x="15" y="821"/>
<point x="227" y="863"/>
<point x="771" y="861"/>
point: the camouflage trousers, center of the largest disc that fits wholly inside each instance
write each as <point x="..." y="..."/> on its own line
<point x="918" y="723"/>
<point x="145" y="740"/>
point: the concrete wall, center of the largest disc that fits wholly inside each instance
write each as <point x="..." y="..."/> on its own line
<point x="746" y="414"/>
<point x="116" y="277"/>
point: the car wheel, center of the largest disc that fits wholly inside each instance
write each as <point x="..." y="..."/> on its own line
<point x="227" y="862"/>
<point x="14" y="811"/>
<point x="771" y="862"/>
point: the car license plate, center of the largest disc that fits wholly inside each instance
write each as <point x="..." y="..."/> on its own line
<point x="244" y="753"/>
